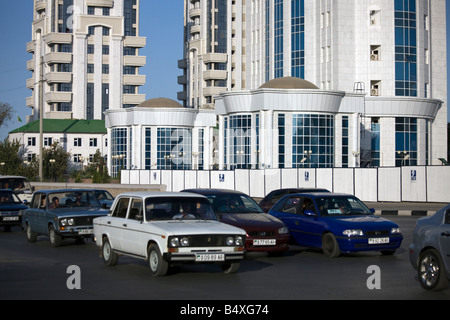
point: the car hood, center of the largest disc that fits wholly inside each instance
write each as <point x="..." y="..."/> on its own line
<point x="70" y="212"/>
<point x="251" y="221"/>
<point x="186" y="227"/>
<point x="12" y="207"/>
<point x="369" y="222"/>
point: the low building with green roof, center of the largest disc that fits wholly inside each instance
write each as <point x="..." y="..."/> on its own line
<point x="81" y="138"/>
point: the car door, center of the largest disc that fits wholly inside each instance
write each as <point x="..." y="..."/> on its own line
<point x="444" y="239"/>
<point x="133" y="241"/>
<point x="287" y="212"/>
<point x="40" y="223"/>
<point x="307" y="224"/>
<point x="116" y="223"/>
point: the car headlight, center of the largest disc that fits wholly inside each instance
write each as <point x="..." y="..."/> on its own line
<point x="63" y="222"/>
<point x="239" y="241"/>
<point x="71" y="222"/>
<point x="283" y="230"/>
<point x="353" y="232"/>
<point x="179" y="242"/>
<point x="230" y="241"/>
<point x="395" y="230"/>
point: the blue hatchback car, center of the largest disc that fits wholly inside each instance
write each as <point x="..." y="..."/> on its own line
<point x="337" y="223"/>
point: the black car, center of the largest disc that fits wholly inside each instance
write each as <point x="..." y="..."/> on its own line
<point x="265" y="233"/>
<point x="275" y="195"/>
<point x="10" y="209"/>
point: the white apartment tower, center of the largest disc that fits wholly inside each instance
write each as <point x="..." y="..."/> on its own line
<point x="85" y="58"/>
<point x="391" y="51"/>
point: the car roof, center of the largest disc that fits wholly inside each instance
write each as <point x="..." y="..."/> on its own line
<point x="155" y="194"/>
<point x="321" y="194"/>
<point x="213" y="191"/>
<point x="62" y="190"/>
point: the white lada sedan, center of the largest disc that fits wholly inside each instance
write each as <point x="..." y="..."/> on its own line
<point x="167" y="228"/>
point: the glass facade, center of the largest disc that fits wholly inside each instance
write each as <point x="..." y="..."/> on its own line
<point x="405" y="142"/>
<point x="278" y="39"/>
<point x="174" y="149"/>
<point x="405" y="48"/>
<point x="298" y="38"/>
<point x="119" y="145"/>
<point x="345" y="141"/>
<point x="239" y="135"/>
<point x="375" y="142"/>
<point x="267" y="39"/>
<point x="312" y="141"/>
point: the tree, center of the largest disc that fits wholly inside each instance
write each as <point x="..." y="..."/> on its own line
<point x="5" y="112"/>
<point x="55" y="162"/>
<point x="97" y="169"/>
<point x="12" y="161"/>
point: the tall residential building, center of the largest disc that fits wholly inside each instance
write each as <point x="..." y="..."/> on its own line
<point x="85" y="58"/>
<point x="391" y="51"/>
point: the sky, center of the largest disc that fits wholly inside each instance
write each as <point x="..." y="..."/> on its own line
<point x="161" y="22"/>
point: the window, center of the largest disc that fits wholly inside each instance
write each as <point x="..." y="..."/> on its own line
<point x="312" y="141"/>
<point x="31" y="141"/>
<point x="405" y="142"/>
<point x="375" y="53"/>
<point x="77" y="142"/>
<point x="120" y="210"/>
<point x="48" y="141"/>
<point x="92" y="142"/>
<point x="77" y="158"/>
<point x="90" y="68"/>
<point x="375" y="88"/>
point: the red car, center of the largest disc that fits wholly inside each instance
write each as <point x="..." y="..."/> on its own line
<point x="275" y="195"/>
<point x="265" y="233"/>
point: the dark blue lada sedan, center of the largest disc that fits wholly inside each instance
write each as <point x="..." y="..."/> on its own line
<point x="337" y="223"/>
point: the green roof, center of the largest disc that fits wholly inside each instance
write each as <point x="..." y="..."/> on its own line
<point x="64" y="126"/>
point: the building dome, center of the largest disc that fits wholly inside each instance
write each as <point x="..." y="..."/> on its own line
<point x="160" y="103"/>
<point x="288" y="83"/>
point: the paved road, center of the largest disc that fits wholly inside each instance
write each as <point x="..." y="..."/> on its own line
<point x="39" y="271"/>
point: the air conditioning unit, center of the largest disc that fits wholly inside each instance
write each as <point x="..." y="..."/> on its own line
<point x="373" y="57"/>
<point x="374" y="92"/>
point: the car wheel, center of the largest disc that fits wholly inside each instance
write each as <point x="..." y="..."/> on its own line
<point x="31" y="236"/>
<point x="330" y="246"/>
<point x="431" y="271"/>
<point x="158" y="266"/>
<point x="230" y="266"/>
<point x="55" y="239"/>
<point x="109" y="256"/>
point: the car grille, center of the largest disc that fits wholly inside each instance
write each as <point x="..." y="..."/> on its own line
<point x="262" y="234"/>
<point x="214" y="240"/>
<point x="376" y="233"/>
<point x="83" y="221"/>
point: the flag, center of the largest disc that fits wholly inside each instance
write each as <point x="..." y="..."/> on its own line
<point x="18" y="119"/>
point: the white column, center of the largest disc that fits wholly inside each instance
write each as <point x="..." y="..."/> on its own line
<point x="221" y="141"/>
<point x="115" y="73"/>
<point x="79" y="76"/>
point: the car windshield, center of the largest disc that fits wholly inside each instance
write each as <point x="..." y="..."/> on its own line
<point x="103" y="195"/>
<point x="72" y="199"/>
<point x="178" y="208"/>
<point x="17" y="184"/>
<point x="341" y="205"/>
<point x="233" y="203"/>
<point x="8" y="197"/>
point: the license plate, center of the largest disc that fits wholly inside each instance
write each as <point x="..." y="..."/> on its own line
<point x="378" y="240"/>
<point x="10" y="218"/>
<point x="264" y="242"/>
<point x="86" y="231"/>
<point x="209" y="257"/>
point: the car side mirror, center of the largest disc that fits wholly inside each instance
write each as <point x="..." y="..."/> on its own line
<point x="309" y="213"/>
<point x="372" y="210"/>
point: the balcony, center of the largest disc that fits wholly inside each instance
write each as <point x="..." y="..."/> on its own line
<point x="61" y="38"/>
<point x="30" y="83"/>
<point x="100" y="3"/>
<point x="58" y="57"/>
<point x="182" y="79"/>
<point x="136" y="42"/>
<point x="196" y="29"/>
<point x="193" y="13"/>
<point x="214" y="75"/>
<point x="30" y="65"/>
<point x="134" y="80"/>
<point x="136" y="61"/>
<point x="58" y="77"/>
<point x="55" y="97"/>
<point x="133" y="98"/>
<point x="31" y="46"/>
<point x="41" y="5"/>
<point x="29" y="102"/>
<point x="215" y="57"/>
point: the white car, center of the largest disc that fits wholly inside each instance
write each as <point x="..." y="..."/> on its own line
<point x="165" y="228"/>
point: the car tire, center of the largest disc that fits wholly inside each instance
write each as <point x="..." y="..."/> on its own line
<point x="108" y="255"/>
<point x="431" y="271"/>
<point x="55" y="239"/>
<point x="158" y="266"/>
<point x="230" y="267"/>
<point x="330" y="246"/>
<point x="31" y="236"/>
